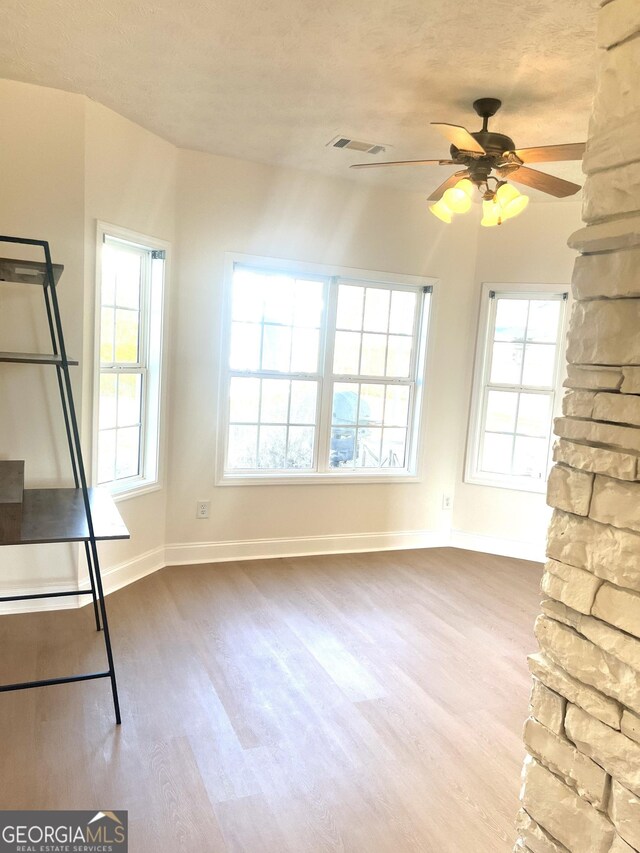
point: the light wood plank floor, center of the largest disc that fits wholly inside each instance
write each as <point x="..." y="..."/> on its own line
<point x="369" y="703"/>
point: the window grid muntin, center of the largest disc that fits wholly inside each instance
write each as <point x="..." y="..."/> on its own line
<point x="326" y="378"/>
<point x="260" y="423"/>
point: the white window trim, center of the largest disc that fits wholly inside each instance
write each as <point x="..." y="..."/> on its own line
<point x="424" y="339"/>
<point x="141" y="484"/>
<point x="504" y="481"/>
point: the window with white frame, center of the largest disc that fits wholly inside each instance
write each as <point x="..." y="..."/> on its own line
<point x="322" y="373"/>
<point x="130" y="300"/>
<point x="516" y="390"/>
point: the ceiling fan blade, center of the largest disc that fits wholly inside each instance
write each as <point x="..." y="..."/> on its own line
<point x="437" y="194"/>
<point x="549" y="184"/>
<point x="552" y="153"/>
<point x="460" y="137"/>
<point x="404" y="163"/>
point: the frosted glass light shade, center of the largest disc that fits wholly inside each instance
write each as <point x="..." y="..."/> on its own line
<point x="441" y="210"/>
<point x="511" y="201"/>
<point x="458" y="198"/>
<point x="491" y="214"/>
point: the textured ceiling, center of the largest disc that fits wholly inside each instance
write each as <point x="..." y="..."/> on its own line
<point x="275" y="80"/>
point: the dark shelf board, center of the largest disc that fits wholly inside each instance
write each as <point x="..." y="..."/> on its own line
<point x="27" y="272"/>
<point x="34" y="358"/>
<point x="57" y="515"/>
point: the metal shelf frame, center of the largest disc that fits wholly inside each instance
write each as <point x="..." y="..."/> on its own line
<point x="50" y="274"/>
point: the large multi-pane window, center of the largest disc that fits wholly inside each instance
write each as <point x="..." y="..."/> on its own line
<point x="131" y="278"/>
<point x="518" y="371"/>
<point x="321" y="373"/>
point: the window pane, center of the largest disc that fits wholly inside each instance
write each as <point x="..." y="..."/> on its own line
<point x="127" y="328"/>
<point x="303" y="402"/>
<point x="511" y="319"/>
<point x="127" y="452"/>
<point x="369" y="448"/>
<point x="275" y="401"/>
<point x="272" y="446"/>
<point x="501" y="411"/>
<point x="534" y="417"/>
<point x="396" y="410"/>
<point x="530" y="457"/>
<point x="496" y="453"/>
<point x="506" y="363"/>
<point x="107" y="402"/>
<point x="278" y="299"/>
<point x="543" y="320"/>
<point x="276" y="348"/>
<point x="374" y="349"/>
<point x="304" y="351"/>
<point x="308" y="303"/>
<point x="343" y="444"/>
<point x="106" y="455"/>
<point x="371" y="404"/>
<point x="539" y="363"/>
<point x="376" y="310"/>
<point x="248" y="288"/>
<point x="347" y="353"/>
<point x="108" y="282"/>
<point x="128" y="279"/>
<point x="403" y="309"/>
<point x="129" y="399"/>
<point x="300" y="449"/>
<point x="245" y="346"/>
<point x="393" y="448"/>
<point x="243" y="443"/>
<point x="245" y="400"/>
<point x="345" y="403"/>
<point x="399" y="358"/>
<point x="350" y="307"/>
<point x="106" y="335"/>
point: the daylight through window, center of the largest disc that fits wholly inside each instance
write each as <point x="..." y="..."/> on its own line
<point x="131" y="285"/>
<point x="520" y="361"/>
<point x="323" y="374"/>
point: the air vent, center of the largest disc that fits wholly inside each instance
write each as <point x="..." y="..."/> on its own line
<point x="356" y="145"/>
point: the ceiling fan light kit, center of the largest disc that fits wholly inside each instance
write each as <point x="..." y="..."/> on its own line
<point x="482" y="153"/>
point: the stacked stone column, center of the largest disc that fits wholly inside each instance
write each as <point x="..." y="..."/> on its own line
<point x="581" y="781"/>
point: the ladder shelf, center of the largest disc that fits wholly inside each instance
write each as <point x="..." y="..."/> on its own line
<point x="54" y="515"/>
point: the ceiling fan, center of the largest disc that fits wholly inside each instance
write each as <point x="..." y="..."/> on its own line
<point x="483" y="153"/>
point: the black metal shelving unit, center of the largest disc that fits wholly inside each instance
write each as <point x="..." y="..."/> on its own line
<point x="78" y="514"/>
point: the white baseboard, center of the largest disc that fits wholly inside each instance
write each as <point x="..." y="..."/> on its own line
<point x="260" y="549"/>
<point x="113" y="578"/>
<point x="181" y="554"/>
<point x="497" y="545"/>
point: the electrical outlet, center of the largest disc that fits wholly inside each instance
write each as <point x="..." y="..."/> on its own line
<point x="447" y="501"/>
<point x="202" y="509"/>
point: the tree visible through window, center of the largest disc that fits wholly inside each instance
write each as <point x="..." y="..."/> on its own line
<point x="321" y="373"/>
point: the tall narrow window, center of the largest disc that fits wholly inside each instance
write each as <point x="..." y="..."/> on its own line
<point x="517" y="382"/>
<point x="322" y="373"/>
<point x="130" y="333"/>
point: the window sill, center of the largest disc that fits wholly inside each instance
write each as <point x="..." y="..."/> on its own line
<point x="136" y="490"/>
<point x="512" y="483"/>
<point x="315" y="479"/>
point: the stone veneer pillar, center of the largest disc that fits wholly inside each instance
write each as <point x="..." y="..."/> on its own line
<point x="581" y="781"/>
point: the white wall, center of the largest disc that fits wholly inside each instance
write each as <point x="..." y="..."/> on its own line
<point x="530" y="249"/>
<point x="65" y="163"/>
<point x="130" y="181"/>
<point x="41" y="196"/>
<point x="87" y="163"/>
<point x="229" y="205"/>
